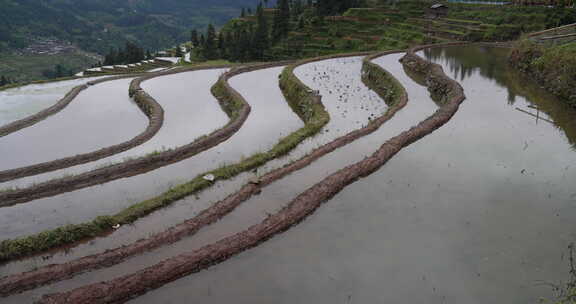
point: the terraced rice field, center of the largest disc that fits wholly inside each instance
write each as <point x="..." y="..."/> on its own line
<point x="100" y="116"/>
<point x="249" y="193"/>
<point x="17" y="103"/>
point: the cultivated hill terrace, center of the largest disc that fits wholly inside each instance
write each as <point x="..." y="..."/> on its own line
<point x="299" y="151"/>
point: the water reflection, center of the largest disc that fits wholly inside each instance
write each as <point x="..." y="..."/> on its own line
<point x="491" y="63"/>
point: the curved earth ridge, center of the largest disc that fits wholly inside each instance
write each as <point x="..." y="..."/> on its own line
<point x="134" y="166"/>
<point x="66" y="235"/>
<point x="55" y="108"/>
<point x="149" y="106"/>
<point x="74" y="233"/>
<point x="129" y="286"/>
<point x="52" y="273"/>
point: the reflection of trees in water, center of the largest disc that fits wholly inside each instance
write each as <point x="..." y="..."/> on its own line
<point x="464" y="61"/>
<point x="563" y="115"/>
<point x="491" y="63"/>
<point x="420" y="79"/>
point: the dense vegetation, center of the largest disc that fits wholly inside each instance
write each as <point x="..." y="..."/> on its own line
<point x="253" y="37"/>
<point x="95" y="26"/>
<point x="4" y="81"/>
<point x="273" y="30"/>
<point x="297" y="28"/>
<point x="554" y="66"/>
<point x="131" y="53"/>
<point x="58" y="71"/>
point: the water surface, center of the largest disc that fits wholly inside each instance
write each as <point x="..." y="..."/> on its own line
<point x="100" y="116"/>
<point x="273" y="197"/>
<point x="481" y="211"/>
<point x="258" y="88"/>
<point x="21" y="102"/>
<point x="270" y="119"/>
<point x="184" y="120"/>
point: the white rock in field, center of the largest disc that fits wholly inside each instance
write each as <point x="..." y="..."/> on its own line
<point x="169" y="59"/>
<point x="209" y="177"/>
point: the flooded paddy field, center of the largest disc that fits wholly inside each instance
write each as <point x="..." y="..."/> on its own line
<point x="274" y="196"/>
<point x="271" y="119"/>
<point x="100" y="116"/>
<point x="187" y="116"/>
<point x="480" y="211"/>
<point x="20" y="102"/>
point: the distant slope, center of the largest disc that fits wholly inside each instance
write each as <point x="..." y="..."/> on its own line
<point x="96" y="25"/>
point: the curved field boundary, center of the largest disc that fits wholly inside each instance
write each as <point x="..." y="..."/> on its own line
<point x="551" y="30"/>
<point x="35" y="118"/>
<point x="237" y="109"/>
<point x="387" y="87"/>
<point x="57" y="107"/>
<point x="65" y="235"/>
<point x="34" y="244"/>
<point x="149" y="106"/>
<point x="129" y="286"/>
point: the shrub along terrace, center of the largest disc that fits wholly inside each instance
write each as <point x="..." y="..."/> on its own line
<point x="553" y="66"/>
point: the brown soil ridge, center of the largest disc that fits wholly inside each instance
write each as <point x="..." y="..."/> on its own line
<point x="143" y="164"/>
<point x="57" y="107"/>
<point x="551" y="30"/>
<point x="57" y="272"/>
<point x="129" y="286"/>
<point x="149" y="106"/>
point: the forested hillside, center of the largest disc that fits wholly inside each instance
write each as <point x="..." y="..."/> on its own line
<point x="95" y="25"/>
<point x="79" y="26"/>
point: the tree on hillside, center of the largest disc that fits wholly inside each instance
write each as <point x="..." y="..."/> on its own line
<point x="4" y="81"/>
<point x="334" y="7"/>
<point x="260" y="42"/>
<point x="131" y="53"/>
<point x="281" y="24"/>
<point x="194" y="38"/>
<point x="178" y="51"/>
<point x="244" y="45"/>
<point x="59" y="71"/>
<point x="297" y="8"/>
<point x="202" y="42"/>
<point x="210" y="44"/>
<point x="110" y="58"/>
<point x="227" y="49"/>
<point x="221" y="44"/>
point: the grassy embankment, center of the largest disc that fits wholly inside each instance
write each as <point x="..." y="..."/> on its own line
<point x="381" y="81"/>
<point x="553" y="66"/>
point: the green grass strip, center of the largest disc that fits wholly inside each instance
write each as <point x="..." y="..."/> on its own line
<point x="381" y="81"/>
